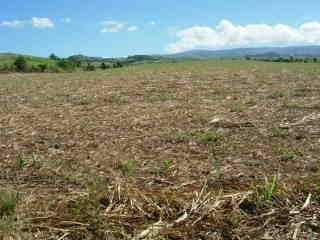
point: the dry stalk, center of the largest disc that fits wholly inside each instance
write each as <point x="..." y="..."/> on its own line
<point x="203" y="204"/>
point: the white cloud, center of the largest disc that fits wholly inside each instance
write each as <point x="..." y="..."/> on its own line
<point x="34" y="22"/>
<point x="152" y="23"/>
<point x="66" y="20"/>
<point x="42" y="22"/>
<point x="112" y="26"/>
<point x="133" y="29"/>
<point x="226" y="34"/>
<point x="13" y="23"/>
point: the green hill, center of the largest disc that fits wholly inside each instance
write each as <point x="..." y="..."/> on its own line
<point x="269" y="52"/>
<point x="9" y="58"/>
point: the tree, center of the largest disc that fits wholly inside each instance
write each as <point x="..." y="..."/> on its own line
<point x="117" y="65"/>
<point x="103" y="66"/>
<point x="292" y="59"/>
<point x="20" y="64"/>
<point x="43" y="67"/>
<point x="53" y="57"/>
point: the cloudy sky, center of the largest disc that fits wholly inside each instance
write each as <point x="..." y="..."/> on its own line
<point x="120" y="28"/>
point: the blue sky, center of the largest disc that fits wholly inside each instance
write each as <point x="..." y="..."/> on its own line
<point x="120" y="28"/>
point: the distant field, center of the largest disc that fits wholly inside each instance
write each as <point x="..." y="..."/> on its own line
<point x="188" y="150"/>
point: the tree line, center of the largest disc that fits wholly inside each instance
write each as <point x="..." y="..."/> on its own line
<point x="285" y="59"/>
<point x="24" y="65"/>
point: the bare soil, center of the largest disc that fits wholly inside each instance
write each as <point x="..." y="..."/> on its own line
<point x="163" y="151"/>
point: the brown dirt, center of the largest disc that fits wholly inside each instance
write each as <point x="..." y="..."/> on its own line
<point x="107" y="155"/>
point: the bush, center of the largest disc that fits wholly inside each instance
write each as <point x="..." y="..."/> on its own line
<point x="90" y="67"/>
<point x="38" y="68"/>
<point x="34" y="68"/>
<point x="43" y="67"/>
<point x="103" y="66"/>
<point x="20" y="64"/>
<point x="6" y="67"/>
<point x="65" y="65"/>
<point x="118" y="65"/>
<point x="54" y="68"/>
<point x="76" y="63"/>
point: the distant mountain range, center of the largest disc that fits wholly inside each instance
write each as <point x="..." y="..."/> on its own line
<point x="267" y="52"/>
<point x="263" y="52"/>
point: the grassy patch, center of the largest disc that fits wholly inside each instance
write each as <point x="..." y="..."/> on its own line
<point x="269" y="188"/>
<point x="278" y="94"/>
<point x="22" y="162"/>
<point x="279" y="132"/>
<point x="288" y="154"/>
<point x="167" y="164"/>
<point x="8" y="203"/>
<point x="127" y="167"/>
<point x="237" y="109"/>
<point x="176" y="137"/>
<point x="8" y="226"/>
<point x="209" y="137"/>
